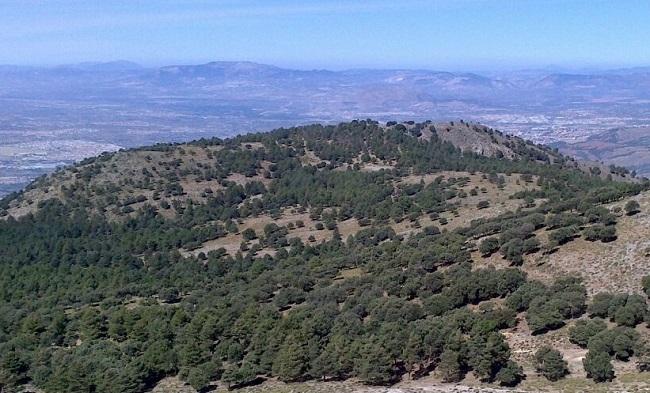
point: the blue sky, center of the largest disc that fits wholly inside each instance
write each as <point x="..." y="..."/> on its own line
<point x="435" y="34"/>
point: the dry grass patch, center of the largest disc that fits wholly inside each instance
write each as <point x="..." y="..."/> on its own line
<point x="616" y="266"/>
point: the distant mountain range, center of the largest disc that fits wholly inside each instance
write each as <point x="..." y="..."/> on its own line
<point x="620" y="84"/>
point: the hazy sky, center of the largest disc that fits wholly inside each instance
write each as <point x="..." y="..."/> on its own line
<point x="443" y="34"/>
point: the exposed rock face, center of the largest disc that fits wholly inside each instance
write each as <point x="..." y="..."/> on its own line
<point x="475" y="138"/>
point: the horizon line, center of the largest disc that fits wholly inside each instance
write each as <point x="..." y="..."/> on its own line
<point x="459" y="69"/>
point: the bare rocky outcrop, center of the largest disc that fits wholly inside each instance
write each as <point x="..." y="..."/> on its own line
<point x="475" y="138"/>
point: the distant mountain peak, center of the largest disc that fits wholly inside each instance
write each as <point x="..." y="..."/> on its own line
<point x="117" y="65"/>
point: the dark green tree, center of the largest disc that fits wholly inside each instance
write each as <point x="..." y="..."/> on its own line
<point x="291" y="362"/>
<point x="584" y="330"/>
<point x="450" y="368"/>
<point x="510" y="374"/>
<point x="598" y="366"/>
<point x="550" y="363"/>
<point x="375" y="365"/>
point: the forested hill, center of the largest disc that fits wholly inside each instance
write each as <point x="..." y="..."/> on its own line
<point x="366" y="251"/>
<point x="121" y="182"/>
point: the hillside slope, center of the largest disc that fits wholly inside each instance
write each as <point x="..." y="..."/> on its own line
<point x="625" y="147"/>
<point x="379" y="253"/>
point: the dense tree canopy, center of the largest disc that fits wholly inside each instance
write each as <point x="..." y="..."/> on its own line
<point x="89" y="303"/>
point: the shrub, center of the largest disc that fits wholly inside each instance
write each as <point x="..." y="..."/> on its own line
<point x="520" y="299"/>
<point x="510" y="374"/>
<point x="600" y="232"/>
<point x="550" y="363"/>
<point x="249" y="234"/>
<point x="624" y="309"/>
<point x="632" y="207"/>
<point x="530" y="245"/>
<point x="623" y="346"/>
<point x="645" y="283"/>
<point x="598" y="366"/>
<point x="513" y="251"/>
<point x="431" y="230"/>
<point x="599" y="306"/>
<point x="632" y="313"/>
<point x="621" y="342"/>
<point x="364" y="222"/>
<point x="544" y="315"/>
<point x="564" y="299"/>
<point x="563" y="235"/>
<point x="489" y="246"/>
<point x="584" y="330"/>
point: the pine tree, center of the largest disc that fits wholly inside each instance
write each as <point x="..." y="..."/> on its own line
<point x="510" y="374"/>
<point x="375" y="365"/>
<point x="326" y="365"/>
<point x="487" y="355"/>
<point x="291" y="362"/>
<point x="450" y="367"/>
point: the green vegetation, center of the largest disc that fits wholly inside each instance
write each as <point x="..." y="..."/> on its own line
<point x="550" y="363"/>
<point x="621" y="342"/>
<point x="632" y="207"/>
<point x="645" y="282"/>
<point x="624" y="309"/>
<point x="549" y="307"/>
<point x="584" y="330"/>
<point x="598" y="366"/>
<point x="97" y="304"/>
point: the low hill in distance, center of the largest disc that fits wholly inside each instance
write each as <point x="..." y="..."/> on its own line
<point x="626" y="147"/>
<point x="410" y="254"/>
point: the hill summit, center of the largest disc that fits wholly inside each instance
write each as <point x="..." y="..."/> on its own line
<point x="360" y="251"/>
<point x="180" y="172"/>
